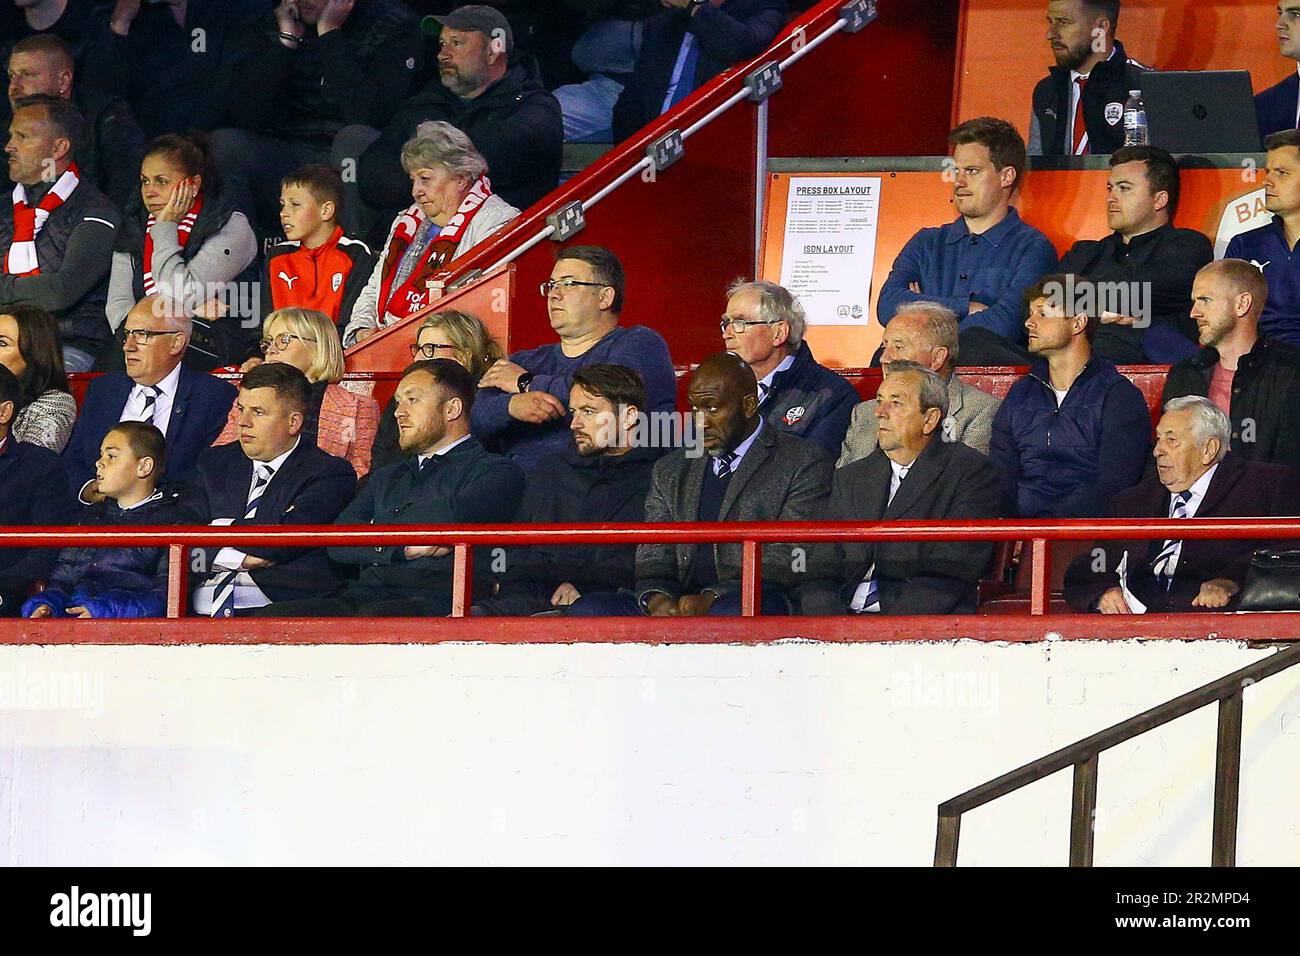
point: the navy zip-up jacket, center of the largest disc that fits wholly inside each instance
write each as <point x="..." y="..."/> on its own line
<point x="1275" y="108"/>
<point x="1069" y="462"/>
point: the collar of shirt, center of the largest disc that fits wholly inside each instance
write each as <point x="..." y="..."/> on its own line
<point x="738" y="455"/>
<point x="420" y="459"/>
<point x="996" y="235"/>
<point x="1075" y="74"/>
<point x="765" y="383"/>
<point x="1136" y="242"/>
<point x="276" y="463"/>
<point x="167" y="386"/>
<point x="1199" y="487"/>
<point x="144" y="501"/>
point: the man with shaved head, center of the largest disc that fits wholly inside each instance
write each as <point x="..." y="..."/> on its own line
<point x="113" y="146"/>
<point x="914" y="475"/>
<point x="1253" y="379"/>
<point x="749" y="472"/>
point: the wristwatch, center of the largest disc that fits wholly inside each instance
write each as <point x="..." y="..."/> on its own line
<point x="524" y="381"/>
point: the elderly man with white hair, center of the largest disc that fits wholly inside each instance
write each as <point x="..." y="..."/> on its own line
<point x="926" y="333"/>
<point x="1196" y="477"/>
<point x="764" y="326"/>
<point x="454" y="210"/>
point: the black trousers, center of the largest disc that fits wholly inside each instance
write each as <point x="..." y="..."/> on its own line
<point x="363" y="602"/>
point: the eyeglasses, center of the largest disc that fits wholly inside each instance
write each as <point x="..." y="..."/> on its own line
<point x="281" y="342"/>
<point x="429" y="350"/>
<point x="565" y="285"/>
<point x="145" y="336"/>
<point x="740" y="325"/>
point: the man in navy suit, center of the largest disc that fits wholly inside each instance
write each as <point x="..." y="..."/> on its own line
<point x="188" y="407"/>
<point x="33" y="491"/>
<point x="269" y="477"/>
<point x="687" y="45"/>
<point x="1278" y="107"/>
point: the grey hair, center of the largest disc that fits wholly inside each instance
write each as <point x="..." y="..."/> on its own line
<point x="934" y="391"/>
<point x="437" y="143"/>
<point x="1208" y="421"/>
<point x="940" y="325"/>
<point x="775" y="302"/>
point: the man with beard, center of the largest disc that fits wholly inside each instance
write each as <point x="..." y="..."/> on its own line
<point x="1079" y="106"/>
<point x="751" y="472"/>
<point x="1074" y="432"/>
<point x="448" y="479"/>
<point x="603" y="477"/>
<point x="1269" y="247"/>
<point x="501" y="105"/>
<point x="1254" y="380"/>
<point x="979" y="265"/>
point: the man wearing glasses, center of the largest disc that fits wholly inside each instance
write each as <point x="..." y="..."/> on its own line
<point x="188" y="407"/>
<point x="521" y="410"/>
<point x="764" y="325"/>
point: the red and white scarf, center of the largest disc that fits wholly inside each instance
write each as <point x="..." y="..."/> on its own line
<point x="29" y="221"/>
<point x="183" y="230"/>
<point x="413" y="294"/>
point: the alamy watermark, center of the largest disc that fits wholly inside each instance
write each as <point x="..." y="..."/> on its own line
<point x="1106" y="300"/>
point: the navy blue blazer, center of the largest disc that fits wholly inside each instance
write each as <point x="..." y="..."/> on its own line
<point x="199" y="412"/>
<point x="732" y="33"/>
<point x="1275" y="108"/>
<point x="33" y="491"/>
<point x="311" y="487"/>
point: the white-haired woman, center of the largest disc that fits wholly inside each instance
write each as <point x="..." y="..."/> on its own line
<point x="454" y="210"/>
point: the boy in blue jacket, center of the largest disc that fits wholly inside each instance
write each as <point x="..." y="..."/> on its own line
<point x="117" y="582"/>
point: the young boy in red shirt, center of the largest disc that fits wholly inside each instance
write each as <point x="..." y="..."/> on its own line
<point x="317" y="267"/>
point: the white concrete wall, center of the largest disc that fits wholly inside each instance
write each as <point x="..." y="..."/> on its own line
<point x="794" y="753"/>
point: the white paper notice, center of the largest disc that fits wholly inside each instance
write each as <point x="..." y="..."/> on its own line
<point x="830" y="246"/>
<point x="1134" y="605"/>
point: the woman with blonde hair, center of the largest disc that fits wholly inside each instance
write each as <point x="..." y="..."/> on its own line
<point x="341" y="422"/>
<point x="453" y="335"/>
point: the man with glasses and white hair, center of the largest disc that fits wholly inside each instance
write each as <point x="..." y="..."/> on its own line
<point x="522" y="409"/>
<point x="188" y="407"/>
<point x="926" y="333"/>
<point x="1196" y="477"/>
<point x="764" y="325"/>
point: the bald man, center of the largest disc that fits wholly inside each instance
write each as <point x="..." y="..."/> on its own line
<point x="188" y="407"/>
<point x="741" y="470"/>
<point x="1254" y="379"/>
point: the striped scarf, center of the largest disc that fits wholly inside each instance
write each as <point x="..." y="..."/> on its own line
<point x="404" y="294"/>
<point x="183" y="230"/>
<point x="29" y="221"/>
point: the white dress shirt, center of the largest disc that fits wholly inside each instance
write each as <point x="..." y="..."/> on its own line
<point x="133" y="410"/>
<point x="1198" y="490"/>
<point x="765" y="383"/>
<point x="247" y="593"/>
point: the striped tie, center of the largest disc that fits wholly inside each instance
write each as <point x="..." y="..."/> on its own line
<point x="723" y="464"/>
<point x="151" y="393"/>
<point x="1164" y="563"/>
<point x="223" y="584"/>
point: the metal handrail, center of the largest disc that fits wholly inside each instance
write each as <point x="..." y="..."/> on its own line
<point x="799" y="43"/>
<point x="750" y="535"/>
<point x="1083" y="757"/>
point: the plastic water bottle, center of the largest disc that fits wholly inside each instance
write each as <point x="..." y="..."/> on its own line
<point x="1135" y="121"/>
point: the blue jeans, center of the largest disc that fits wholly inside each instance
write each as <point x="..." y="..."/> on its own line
<point x="589" y="109"/>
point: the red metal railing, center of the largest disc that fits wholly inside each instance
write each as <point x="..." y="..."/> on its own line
<point x="752" y="537"/>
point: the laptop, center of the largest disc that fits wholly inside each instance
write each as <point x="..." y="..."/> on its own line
<point x="1201" y="111"/>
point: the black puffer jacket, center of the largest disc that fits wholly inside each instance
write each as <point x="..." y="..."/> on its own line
<point x="516" y="124"/>
<point x="114" y="582"/>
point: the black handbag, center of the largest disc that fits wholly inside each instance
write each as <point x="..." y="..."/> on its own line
<point x="1272" y="582"/>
